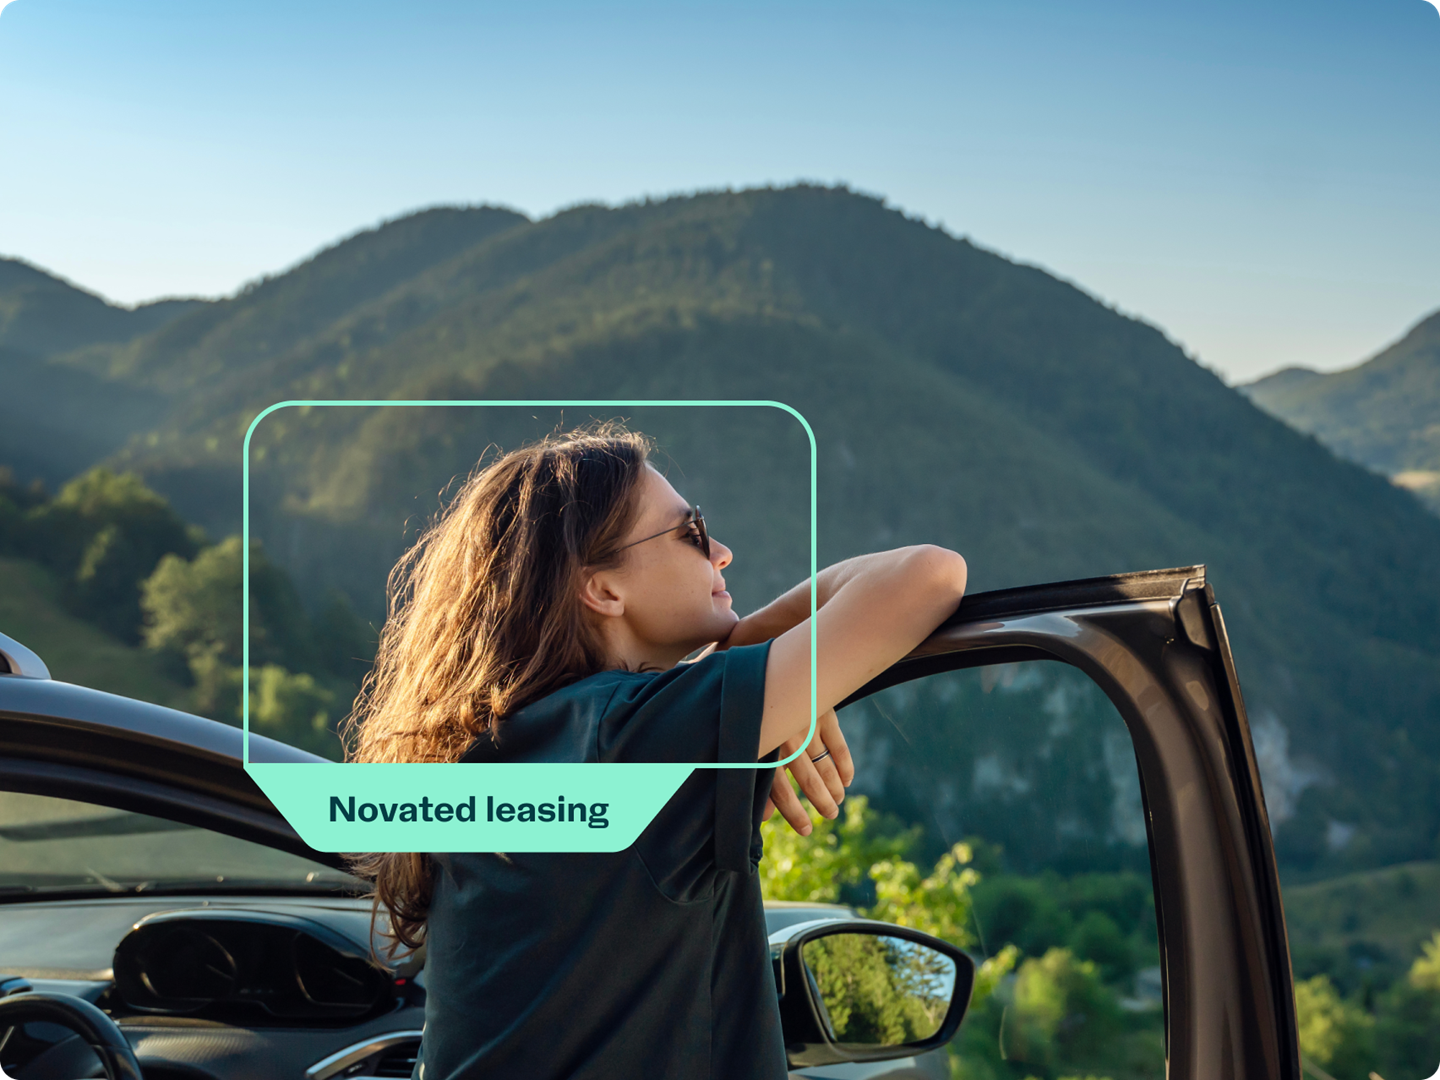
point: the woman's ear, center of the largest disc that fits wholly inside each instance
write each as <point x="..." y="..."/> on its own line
<point x="599" y="592"/>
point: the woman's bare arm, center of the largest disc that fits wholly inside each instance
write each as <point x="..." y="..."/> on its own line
<point x="872" y="610"/>
<point x="793" y="606"/>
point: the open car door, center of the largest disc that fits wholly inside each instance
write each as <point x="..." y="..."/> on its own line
<point x="1044" y="667"/>
<point x="1014" y="745"/>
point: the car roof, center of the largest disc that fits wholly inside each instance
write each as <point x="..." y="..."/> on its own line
<point x="81" y="706"/>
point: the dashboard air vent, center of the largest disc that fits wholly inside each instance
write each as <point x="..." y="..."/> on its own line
<point x="398" y="1061"/>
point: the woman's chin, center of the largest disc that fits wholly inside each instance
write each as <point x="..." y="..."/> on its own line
<point x="724" y="621"/>
<point x="725" y="615"/>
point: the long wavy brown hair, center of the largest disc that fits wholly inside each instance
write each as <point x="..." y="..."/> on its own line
<point x="484" y="617"/>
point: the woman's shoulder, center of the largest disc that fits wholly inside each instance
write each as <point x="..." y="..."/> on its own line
<point x="560" y="726"/>
<point x="596" y="717"/>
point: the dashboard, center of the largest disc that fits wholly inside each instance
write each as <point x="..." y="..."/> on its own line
<point x="212" y="988"/>
<point x="252" y="988"/>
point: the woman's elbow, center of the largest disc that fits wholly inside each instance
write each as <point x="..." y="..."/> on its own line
<point x="939" y="568"/>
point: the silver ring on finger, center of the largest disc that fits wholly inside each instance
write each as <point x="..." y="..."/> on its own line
<point x="820" y="757"/>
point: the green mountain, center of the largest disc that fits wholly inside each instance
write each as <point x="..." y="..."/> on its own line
<point x="1384" y="413"/>
<point x="41" y="314"/>
<point x="955" y="396"/>
<point x="82" y="417"/>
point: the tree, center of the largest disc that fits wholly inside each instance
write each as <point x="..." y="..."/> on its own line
<point x="1335" y="1034"/>
<point x="1062" y="1014"/>
<point x="879" y="990"/>
<point x="1097" y="938"/>
<point x="15" y="500"/>
<point x="293" y="708"/>
<point x="193" y="611"/>
<point x="1407" y="1027"/>
<point x="858" y="847"/>
<point x="193" y="607"/>
<point x="103" y="534"/>
<point x="836" y="854"/>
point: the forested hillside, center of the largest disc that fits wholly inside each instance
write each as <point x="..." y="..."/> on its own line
<point x="116" y="592"/>
<point x="955" y="397"/>
<point x="56" y="420"/>
<point x="1384" y="413"/>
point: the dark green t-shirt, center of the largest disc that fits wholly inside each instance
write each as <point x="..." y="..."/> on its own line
<point x="643" y="964"/>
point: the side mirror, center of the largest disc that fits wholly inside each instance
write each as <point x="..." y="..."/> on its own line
<point x="861" y="990"/>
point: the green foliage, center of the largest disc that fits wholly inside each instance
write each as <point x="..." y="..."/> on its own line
<point x="1062" y="1012"/>
<point x="1425" y="972"/>
<point x="1362" y="930"/>
<point x="1065" y="1010"/>
<point x="879" y="990"/>
<point x="293" y="708"/>
<point x="1407" y="1028"/>
<point x="1083" y="913"/>
<point x="1024" y="911"/>
<point x="836" y="854"/>
<point x="1097" y="939"/>
<point x="194" y="606"/>
<point x="303" y="672"/>
<point x="862" y="845"/>
<point x="1336" y="1034"/>
<point x="1407" y="1032"/>
<point x="341" y="642"/>
<point x="102" y="534"/>
<point x="1057" y="1017"/>
<point x="121" y="553"/>
<point x="15" y="500"/>
<point x="937" y="903"/>
<point x="1059" y="1012"/>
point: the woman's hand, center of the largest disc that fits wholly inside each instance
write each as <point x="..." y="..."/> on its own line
<point x="824" y="782"/>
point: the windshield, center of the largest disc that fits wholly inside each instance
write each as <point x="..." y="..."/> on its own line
<point x="61" y="845"/>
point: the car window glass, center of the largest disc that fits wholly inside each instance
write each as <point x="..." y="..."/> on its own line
<point x="50" y="844"/>
<point x="1032" y="769"/>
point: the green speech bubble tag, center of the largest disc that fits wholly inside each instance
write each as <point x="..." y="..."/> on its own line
<point x="470" y="807"/>
<point x="512" y="806"/>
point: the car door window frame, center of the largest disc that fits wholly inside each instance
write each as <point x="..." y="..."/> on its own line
<point x="1155" y="644"/>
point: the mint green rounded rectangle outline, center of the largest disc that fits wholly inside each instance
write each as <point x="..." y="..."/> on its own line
<point x="517" y="403"/>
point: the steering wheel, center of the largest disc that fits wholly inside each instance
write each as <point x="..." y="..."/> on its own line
<point x="81" y="1017"/>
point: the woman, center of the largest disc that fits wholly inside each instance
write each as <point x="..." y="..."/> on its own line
<point x="545" y="617"/>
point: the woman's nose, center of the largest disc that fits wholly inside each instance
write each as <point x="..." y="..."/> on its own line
<point x="720" y="555"/>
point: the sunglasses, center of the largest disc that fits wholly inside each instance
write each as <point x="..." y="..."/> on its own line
<point x="694" y="526"/>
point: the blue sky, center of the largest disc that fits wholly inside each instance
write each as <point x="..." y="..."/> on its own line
<point x="1259" y="179"/>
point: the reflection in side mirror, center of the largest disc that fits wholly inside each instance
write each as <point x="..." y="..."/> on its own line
<point x="860" y="990"/>
<point x="875" y="991"/>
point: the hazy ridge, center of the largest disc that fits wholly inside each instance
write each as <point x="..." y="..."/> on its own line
<point x="1384" y="413"/>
